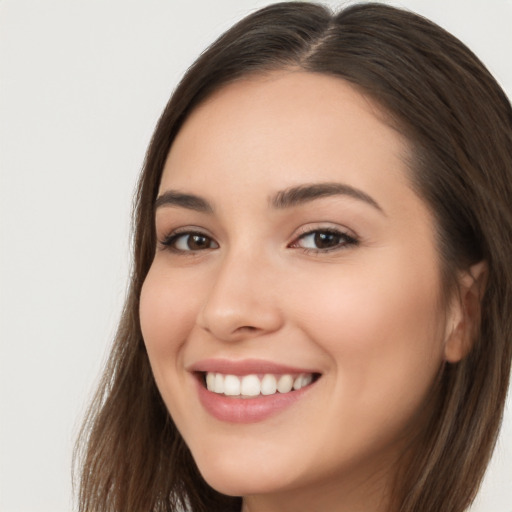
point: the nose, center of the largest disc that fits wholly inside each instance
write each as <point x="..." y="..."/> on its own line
<point x="242" y="300"/>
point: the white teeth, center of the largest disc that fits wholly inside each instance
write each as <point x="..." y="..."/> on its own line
<point x="268" y="385"/>
<point x="302" y="381"/>
<point x="307" y="380"/>
<point x="285" y="383"/>
<point x="219" y="383"/>
<point x="231" y="385"/>
<point x="252" y="385"/>
<point x="210" y="381"/>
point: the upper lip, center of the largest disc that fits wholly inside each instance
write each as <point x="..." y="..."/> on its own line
<point x="245" y="367"/>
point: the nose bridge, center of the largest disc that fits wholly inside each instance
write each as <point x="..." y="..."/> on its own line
<point x="241" y="300"/>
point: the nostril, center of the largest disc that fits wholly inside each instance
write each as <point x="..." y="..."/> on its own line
<point x="248" y="328"/>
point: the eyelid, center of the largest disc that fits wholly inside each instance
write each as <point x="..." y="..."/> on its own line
<point x="350" y="238"/>
<point x="324" y="226"/>
<point x="166" y="242"/>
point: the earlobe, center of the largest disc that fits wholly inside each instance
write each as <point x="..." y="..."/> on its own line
<point x="465" y="314"/>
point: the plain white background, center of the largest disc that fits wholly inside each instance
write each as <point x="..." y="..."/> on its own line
<point x="82" y="85"/>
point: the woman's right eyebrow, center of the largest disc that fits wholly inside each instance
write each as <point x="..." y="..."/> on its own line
<point x="182" y="200"/>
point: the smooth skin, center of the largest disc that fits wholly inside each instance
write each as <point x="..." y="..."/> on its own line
<point x="347" y="284"/>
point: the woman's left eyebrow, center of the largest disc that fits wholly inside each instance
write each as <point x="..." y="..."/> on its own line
<point x="294" y="196"/>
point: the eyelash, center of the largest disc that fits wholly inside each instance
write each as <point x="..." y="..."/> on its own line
<point x="344" y="240"/>
<point x="170" y="240"/>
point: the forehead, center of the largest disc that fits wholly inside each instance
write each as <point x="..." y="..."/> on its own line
<point x="269" y="132"/>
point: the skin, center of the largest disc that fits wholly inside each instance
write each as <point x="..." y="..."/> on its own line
<point x="368" y="316"/>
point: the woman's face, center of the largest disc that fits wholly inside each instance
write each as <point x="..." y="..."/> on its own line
<point x="292" y="249"/>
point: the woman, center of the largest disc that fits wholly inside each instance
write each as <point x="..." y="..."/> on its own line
<point x="318" y="313"/>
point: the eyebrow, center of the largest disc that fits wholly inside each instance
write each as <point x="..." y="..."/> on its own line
<point x="283" y="199"/>
<point x="309" y="192"/>
<point x="188" y="201"/>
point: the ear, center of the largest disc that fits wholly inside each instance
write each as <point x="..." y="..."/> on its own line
<point x="464" y="315"/>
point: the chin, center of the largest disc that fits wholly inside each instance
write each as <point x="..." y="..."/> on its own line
<point x="242" y="478"/>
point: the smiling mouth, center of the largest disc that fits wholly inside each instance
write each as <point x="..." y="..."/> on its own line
<point x="255" y="385"/>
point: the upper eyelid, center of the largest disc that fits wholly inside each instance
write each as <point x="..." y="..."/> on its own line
<point x="174" y="234"/>
<point x="184" y="230"/>
<point x="314" y="227"/>
<point x="326" y="230"/>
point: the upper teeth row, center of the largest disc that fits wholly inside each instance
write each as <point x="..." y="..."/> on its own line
<point x="252" y="385"/>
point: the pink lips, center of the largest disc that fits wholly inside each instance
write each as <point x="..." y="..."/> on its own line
<point x="245" y="367"/>
<point x="241" y="410"/>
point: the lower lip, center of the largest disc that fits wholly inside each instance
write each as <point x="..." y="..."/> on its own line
<point x="247" y="410"/>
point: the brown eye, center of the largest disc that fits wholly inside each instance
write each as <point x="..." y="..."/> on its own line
<point x="189" y="242"/>
<point x="324" y="240"/>
<point x="197" y="242"/>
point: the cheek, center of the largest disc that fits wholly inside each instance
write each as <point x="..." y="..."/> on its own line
<point x="383" y="330"/>
<point x="166" y="317"/>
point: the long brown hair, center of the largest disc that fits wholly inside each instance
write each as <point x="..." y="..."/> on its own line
<point x="459" y="124"/>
